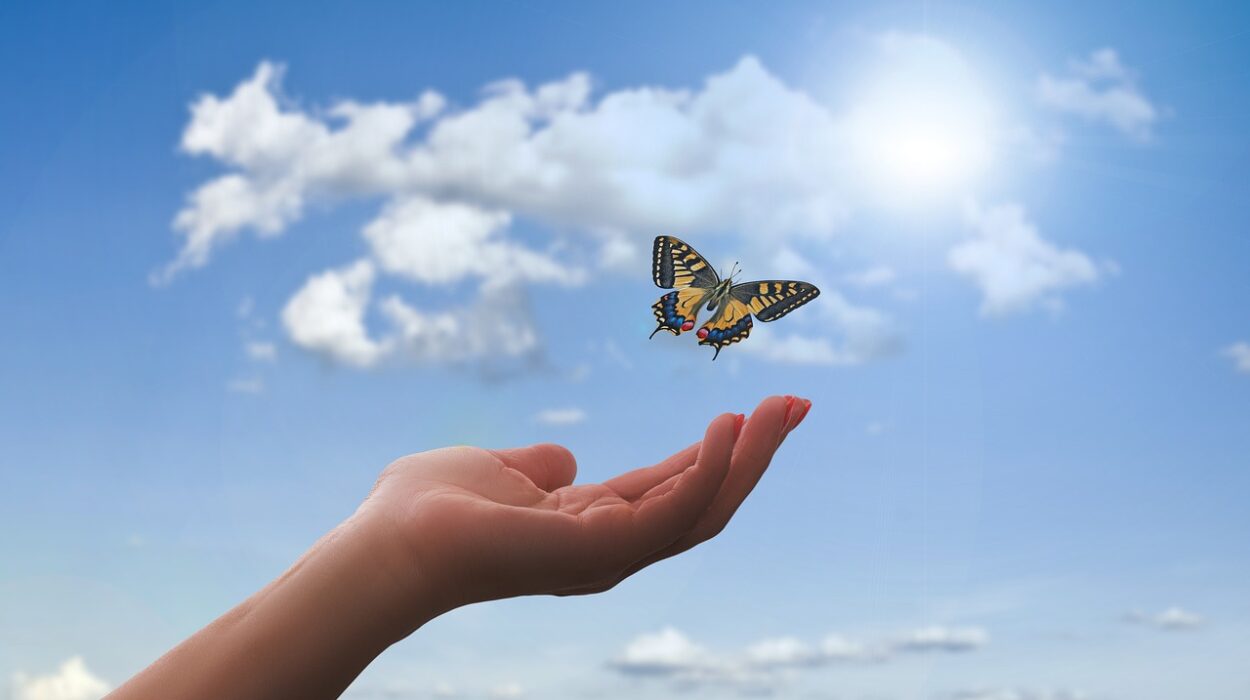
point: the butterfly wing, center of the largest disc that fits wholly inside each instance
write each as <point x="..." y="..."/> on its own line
<point x="769" y="300"/>
<point x="677" y="311"/>
<point x="674" y="264"/>
<point x="731" y="324"/>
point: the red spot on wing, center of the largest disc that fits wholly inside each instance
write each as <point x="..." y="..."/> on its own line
<point x="687" y="325"/>
<point x="702" y="333"/>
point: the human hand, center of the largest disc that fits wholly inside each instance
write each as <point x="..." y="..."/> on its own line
<point x="463" y="524"/>
<point x="450" y="527"/>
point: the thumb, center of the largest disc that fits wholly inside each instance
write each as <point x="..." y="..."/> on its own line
<point x="549" y="466"/>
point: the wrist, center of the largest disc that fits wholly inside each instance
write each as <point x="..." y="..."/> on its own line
<point x="390" y="591"/>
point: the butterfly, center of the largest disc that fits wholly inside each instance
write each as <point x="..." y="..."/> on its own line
<point x="675" y="265"/>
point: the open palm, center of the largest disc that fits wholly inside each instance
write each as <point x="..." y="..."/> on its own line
<point x="484" y="524"/>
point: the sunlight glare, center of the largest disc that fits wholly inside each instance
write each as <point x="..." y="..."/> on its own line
<point x="921" y="124"/>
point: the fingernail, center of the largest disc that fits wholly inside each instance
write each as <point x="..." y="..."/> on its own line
<point x="807" y="406"/>
<point x="789" y="408"/>
<point x="739" y="421"/>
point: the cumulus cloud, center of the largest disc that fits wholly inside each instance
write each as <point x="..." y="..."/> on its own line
<point x="763" y="666"/>
<point x="745" y="152"/>
<point x="71" y="681"/>
<point x="666" y="652"/>
<point x="445" y="242"/>
<point x="327" y="315"/>
<point x="742" y="152"/>
<point x="1100" y="88"/>
<point x="494" y="329"/>
<point x="561" y="416"/>
<point x="1017" y="694"/>
<point x="937" y="638"/>
<point x="1172" y="619"/>
<point x="1239" y="353"/>
<point x="595" y="175"/>
<point x="1013" y="266"/>
<point x="862" y="334"/>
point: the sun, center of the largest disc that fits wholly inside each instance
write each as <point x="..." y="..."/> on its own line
<point x="921" y="123"/>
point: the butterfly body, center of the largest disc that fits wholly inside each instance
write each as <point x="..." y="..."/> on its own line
<point x="675" y="265"/>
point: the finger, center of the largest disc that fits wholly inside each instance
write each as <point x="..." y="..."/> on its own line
<point x="624" y="535"/>
<point x="801" y="407"/>
<point x="769" y="424"/>
<point x="663" y="519"/>
<point x="752" y="454"/>
<point x="549" y="466"/>
<point x="633" y="484"/>
<point x="661" y="488"/>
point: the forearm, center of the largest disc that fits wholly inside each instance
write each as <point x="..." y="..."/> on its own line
<point x="307" y="634"/>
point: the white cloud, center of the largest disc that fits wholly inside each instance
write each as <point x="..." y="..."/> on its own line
<point x="601" y="174"/>
<point x="261" y="351"/>
<point x="793" y="349"/>
<point x="1017" y="694"/>
<point x="781" y="652"/>
<point x="618" y="253"/>
<point x="444" y="242"/>
<point x="937" y="638"/>
<point x="1239" y="353"/>
<point x="285" y="158"/>
<point x="638" y="160"/>
<point x="1173" y="619"/>
<point x="327" y="315"/>
<point x="1101" y="89"/>
<point x="496" y="327"/>
<point x="1013" y="266"/>
<point x="864" y="334"/>
<point x="667" y="652"/>
<point x="762" y="667"/>
<point x="835" y="648"/>
<point x="745" y="152"/>
<point x="71" y="681"/>
<point x="561" y="416"/>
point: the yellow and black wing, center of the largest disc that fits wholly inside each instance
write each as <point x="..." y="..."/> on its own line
<point x="674" y="264"/>
<point x="677" y="311"/>
<point x="731" y="324"/>
<point x="769" y="300"/>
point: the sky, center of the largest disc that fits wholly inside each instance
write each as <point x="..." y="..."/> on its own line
<point x="249" y="254"/>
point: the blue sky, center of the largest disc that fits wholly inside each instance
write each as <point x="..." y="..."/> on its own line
<point x="1024" y="474"/>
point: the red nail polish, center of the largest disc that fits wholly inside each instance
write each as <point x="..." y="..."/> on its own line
<point x="807" y="406"/>
<point x="789" y="409"/>
<point x="739" y="421"/>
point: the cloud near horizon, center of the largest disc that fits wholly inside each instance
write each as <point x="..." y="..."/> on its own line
<point x="760" y="668"/>
<point x="1173" y="619"/>
<point x="71" y="681"/>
